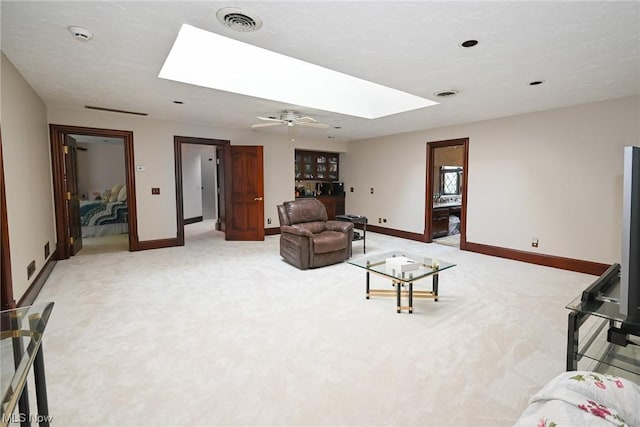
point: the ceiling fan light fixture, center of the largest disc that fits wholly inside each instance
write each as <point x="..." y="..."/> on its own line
<point x="239" y="20"/>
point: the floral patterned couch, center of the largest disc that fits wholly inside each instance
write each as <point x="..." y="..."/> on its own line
<point x="581" y="398"/>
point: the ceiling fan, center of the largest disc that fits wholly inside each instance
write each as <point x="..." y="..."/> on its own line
<point x="291" y="119"/>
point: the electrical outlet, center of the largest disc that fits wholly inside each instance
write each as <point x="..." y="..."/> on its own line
<point x="534" y="242"/>
<point x="384" y="220"/>
<point x="379" y="220"/>
<point x="371" y="190"/>
<point x="352" y="189"/>
<point x="31" y="268"/>
<point x="268" y="220"/>
<point x="155" y="190"/>
<point x="46" y="250"/>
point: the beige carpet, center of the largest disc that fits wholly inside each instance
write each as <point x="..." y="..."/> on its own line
<point x="452" y="240"/>
<point x="226" y="333"/>
<point x="104" y="244"/>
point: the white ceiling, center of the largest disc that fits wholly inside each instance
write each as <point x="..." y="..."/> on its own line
<point x="584" y="51"/>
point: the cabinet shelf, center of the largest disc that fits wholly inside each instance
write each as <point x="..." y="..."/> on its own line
<point x="316" y="166"/>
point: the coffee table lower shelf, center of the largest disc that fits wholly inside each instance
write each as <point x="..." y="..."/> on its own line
<point x="399" y="293"/>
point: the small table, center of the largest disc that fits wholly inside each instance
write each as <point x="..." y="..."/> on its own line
<point x="425" y="267"/>
<point x="596" y="347"/>
<point x="357" y="219"/>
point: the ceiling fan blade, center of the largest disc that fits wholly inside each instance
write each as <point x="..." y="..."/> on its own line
<point x="263" y="125"/>
<point x="306" y="119"/>
<point x="313" y="125"/>
<point x="270" y="119"/>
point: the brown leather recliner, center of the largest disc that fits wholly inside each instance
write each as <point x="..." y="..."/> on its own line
<point x="307" y="239"/>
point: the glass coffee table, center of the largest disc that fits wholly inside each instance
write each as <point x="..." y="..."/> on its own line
<point x="403" y="270"/>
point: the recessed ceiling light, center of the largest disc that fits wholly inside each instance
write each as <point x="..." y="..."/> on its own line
<point x="80" y="33"/>
<point x="469" y="43"/>
<point x="238" y="20"/>
<point x="536" y="82"/>
<point x="446" y="93"/>
<point x="240" y="68"/>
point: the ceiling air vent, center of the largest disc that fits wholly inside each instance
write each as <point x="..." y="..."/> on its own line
<point x="238" y="20"/>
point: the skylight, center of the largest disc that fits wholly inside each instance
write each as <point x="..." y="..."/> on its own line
<point x="207" y="59"/>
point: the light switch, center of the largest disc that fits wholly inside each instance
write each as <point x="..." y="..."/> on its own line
<point x="155" y="190"/>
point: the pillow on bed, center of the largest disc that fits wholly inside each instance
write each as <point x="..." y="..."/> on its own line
<point x="114" y="193"/>
<point x="105" y="196"/>
<point x="122" y="195"/>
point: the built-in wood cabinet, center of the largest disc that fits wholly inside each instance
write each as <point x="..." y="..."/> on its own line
<point x="440" y="220"/>
<point x="316" y="166"/>
<point x="312" y="170"/>
<point x="334" y="205"/>
<point x="440" y="223"/>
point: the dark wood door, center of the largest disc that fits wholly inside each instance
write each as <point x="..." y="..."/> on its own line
<point x="72" y="205"/>
<point x="245" y="210"/>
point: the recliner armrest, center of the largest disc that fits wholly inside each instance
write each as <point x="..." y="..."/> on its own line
<point x="342" y="226"/>
<point x="292" y="229"/>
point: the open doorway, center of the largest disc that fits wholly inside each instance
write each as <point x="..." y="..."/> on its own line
<point x="240" y="180"/>
<point x="201" y="192"/>
<point x="105" y="198"/>
<point x="101" y="179"/>
<point x="200" y="186"/>
<point x="446" y="192"/>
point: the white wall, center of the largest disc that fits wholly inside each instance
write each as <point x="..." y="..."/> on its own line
<point x="555" y="175"/>
<point x="28" y="179"/>
<point x="153" y="149"/>
<point x="191" y="181"/>
<point x="209" y="167"/>
<point x="100" y="167"/>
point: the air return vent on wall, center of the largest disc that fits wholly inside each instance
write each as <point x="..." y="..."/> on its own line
<point x="112" y="110"/>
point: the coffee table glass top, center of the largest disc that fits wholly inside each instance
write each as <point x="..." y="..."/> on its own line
<point x="378" y="264"/>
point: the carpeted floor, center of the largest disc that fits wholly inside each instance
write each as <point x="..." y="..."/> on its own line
<point x="226" y="333"/>
<point x="452" y="240"/>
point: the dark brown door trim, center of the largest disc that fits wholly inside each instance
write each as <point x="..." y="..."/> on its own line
<point x="177" y="151"/>
<point x="428" y="211"/>
<point x="6" y="281"/>
<point x="57" y="133"/>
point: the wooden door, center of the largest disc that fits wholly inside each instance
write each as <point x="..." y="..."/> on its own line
<point x="245" y="210"/>
<point x="72" y="205"/>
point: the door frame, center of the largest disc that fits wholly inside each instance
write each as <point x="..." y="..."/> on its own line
<point x="177" y="154"/>
<point x="428" y="211"/>
<point x="6" y="280"/>
<point x="56" y="135"/>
